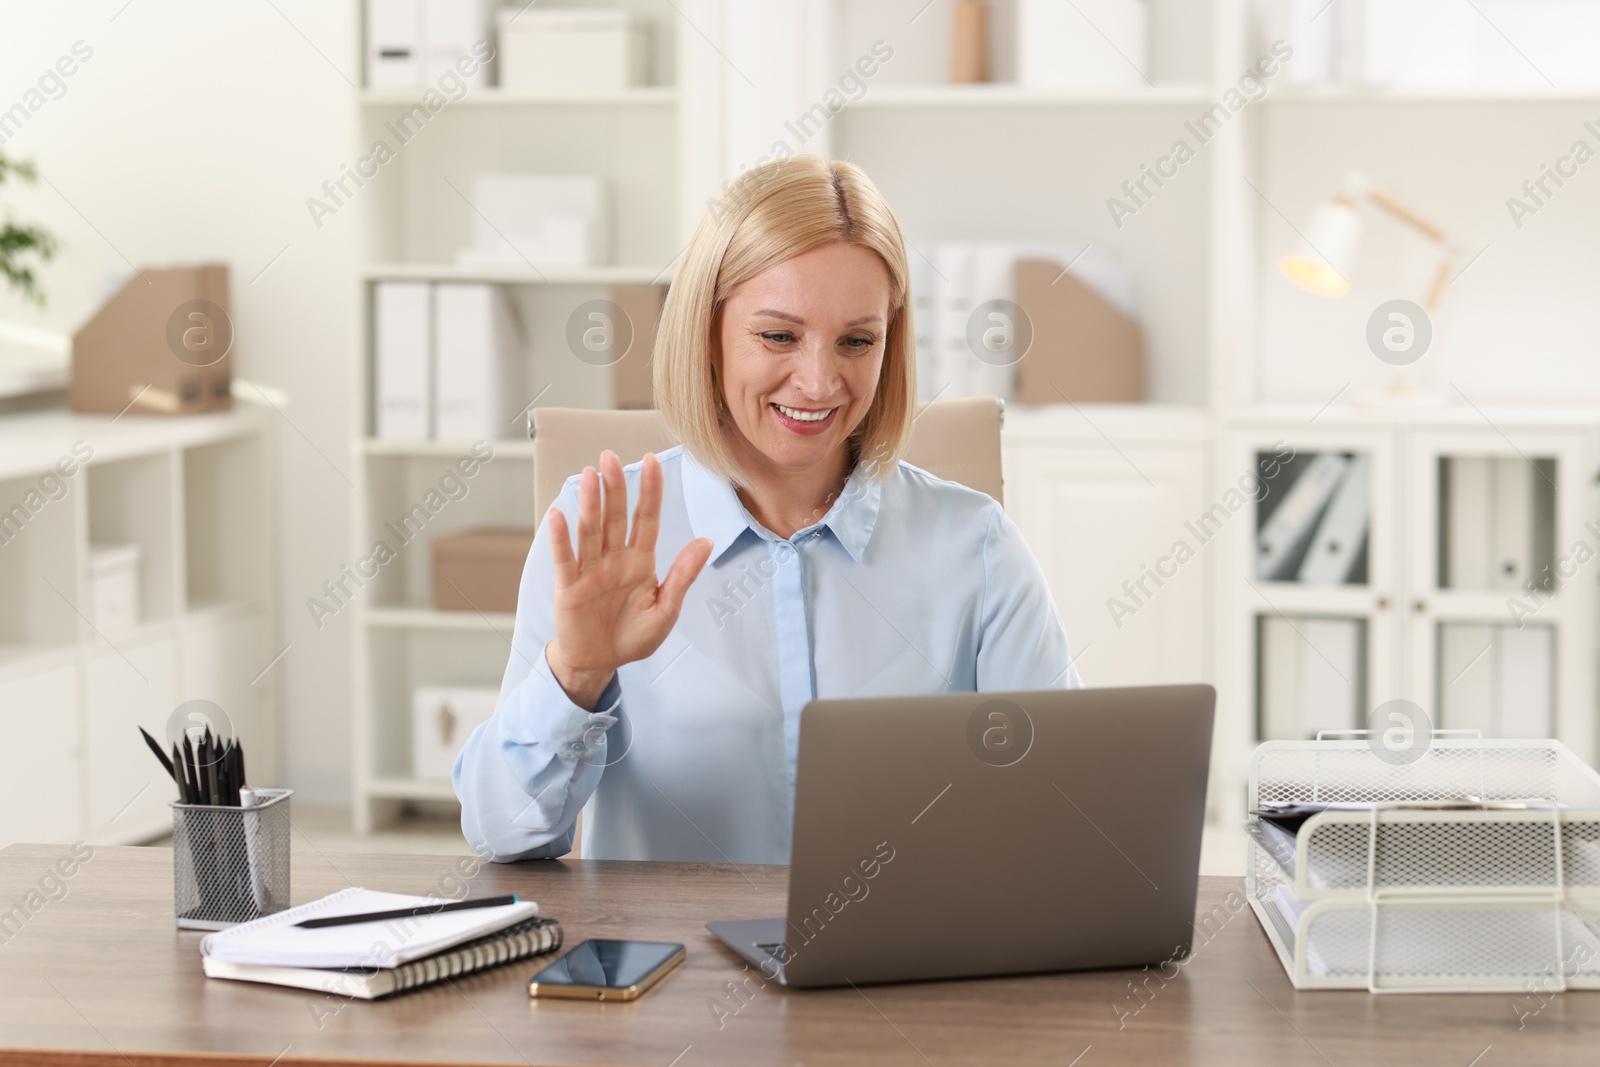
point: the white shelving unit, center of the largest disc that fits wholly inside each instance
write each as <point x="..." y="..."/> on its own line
<point x="195" y="494"/>
<point x="415" y="219"/>
<point x="1111" y="486"/>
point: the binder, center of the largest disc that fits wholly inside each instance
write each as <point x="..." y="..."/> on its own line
<point x="1278" y="664"/>
<point x="1525" y="684"/>
<point x="954" y="262"/>
<point x="1467" y="691"/>
<point x="402" y="370"/>
<point x="1468" y="533"/>
<point x="1337" y="544"/>
<point x="1513" y="509"/>
<point x="394" y="44"/>
<point x="925" y="320"/>
<point x="1498" y="679"/>
<point x="995" y="374"/>
<point x="476" y="381"/>
<point x="1282" y="539"/>
<point x="1412" y="42"/>
<point x="450" y="29"/>
<point x="1312" y="676"/>
<point x="1313" y="38"/>
<point x="1331" y="660"/>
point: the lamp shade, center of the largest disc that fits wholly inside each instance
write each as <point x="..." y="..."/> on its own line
<point x="1323" y="265"/>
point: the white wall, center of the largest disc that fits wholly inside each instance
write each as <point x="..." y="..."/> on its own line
<point x="196" y="131"/>
<point x="1521" y="322"/>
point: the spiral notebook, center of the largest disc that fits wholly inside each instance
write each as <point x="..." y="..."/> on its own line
<point x="530" y="937"/>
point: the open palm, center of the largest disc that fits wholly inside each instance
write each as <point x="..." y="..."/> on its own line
<point x="609" y="608"/>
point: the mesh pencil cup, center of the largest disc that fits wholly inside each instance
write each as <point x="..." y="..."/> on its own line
<point x="230" y="865"/>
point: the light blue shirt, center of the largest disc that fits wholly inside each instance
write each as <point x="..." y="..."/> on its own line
<point x="909" y="584"/>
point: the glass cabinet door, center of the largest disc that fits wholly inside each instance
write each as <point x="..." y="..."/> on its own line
<point x="1494" y="529"/>
<point x="1311" y="575"/>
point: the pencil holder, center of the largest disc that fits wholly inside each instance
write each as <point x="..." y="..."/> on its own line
<point x="230" y="865"/>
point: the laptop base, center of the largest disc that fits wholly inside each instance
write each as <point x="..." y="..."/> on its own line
<point x="759" y="941"/>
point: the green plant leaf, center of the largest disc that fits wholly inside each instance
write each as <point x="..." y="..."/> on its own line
<point x="23" y="247"/>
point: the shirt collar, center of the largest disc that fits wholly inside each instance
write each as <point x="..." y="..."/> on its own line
<point x="715" y="510"/>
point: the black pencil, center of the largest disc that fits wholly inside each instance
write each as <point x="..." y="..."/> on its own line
<point x="160" y="755"/>
<point x="191" y="770"/>
<point x="183" y="780"/>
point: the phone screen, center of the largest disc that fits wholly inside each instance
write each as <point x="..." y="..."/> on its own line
<point x="608" y="964"/>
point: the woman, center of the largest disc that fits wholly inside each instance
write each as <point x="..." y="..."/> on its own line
<point x="803" y="559"/>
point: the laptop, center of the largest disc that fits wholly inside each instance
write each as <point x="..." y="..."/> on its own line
<point x="970" y="834"/>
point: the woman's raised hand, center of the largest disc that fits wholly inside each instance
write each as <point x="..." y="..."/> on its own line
<point x="609" y="608"/>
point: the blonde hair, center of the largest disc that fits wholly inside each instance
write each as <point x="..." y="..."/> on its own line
<point x="769" y="214"/>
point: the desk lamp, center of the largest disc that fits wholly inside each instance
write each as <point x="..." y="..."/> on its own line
<point x="1324" y="265"/>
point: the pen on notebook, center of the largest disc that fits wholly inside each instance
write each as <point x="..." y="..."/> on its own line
<point x="408" y="913"/>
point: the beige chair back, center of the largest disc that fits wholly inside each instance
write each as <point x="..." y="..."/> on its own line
<point x="955" y="439"/>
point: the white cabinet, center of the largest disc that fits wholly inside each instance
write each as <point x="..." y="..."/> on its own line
<point x="39" y="793"/>
<point x="193" y="496"/>
<point x="127" y="688"/>
<point x="224" y="662"/>
<point x="1102" y="494"/>
<point x="1472" y="597"/>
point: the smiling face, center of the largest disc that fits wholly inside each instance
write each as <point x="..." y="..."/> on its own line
<point x="801" y="348"/>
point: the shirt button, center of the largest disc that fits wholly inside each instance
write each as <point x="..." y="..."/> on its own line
<point x="576" y="746"/>
<point x="816" y="533"/>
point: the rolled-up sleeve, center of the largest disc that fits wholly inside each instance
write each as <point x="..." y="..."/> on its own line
<point x="525" y="774"/>
<point x="1022" y="643"/>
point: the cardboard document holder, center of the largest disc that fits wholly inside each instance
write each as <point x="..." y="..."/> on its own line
<point x="163" y="344"/>
<point x="631" y="385"/>
<point x="1084" y="348"/>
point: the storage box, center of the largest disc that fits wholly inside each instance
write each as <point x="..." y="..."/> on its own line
<point x="114" y="585"/>
<point x="548" y="220"/>
<point x="571" y="51"/>
<point x="163" y="344"/>
<point x="479" y="570"/>
<point x="1084" y="348"/>
<point x="442" y="718"/>
<point x="1089" y="44"/>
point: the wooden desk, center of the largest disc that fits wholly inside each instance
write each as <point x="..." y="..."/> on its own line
<point x="101" y="976"/>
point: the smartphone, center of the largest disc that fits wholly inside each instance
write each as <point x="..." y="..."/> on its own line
<point x="607" y="970"/>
